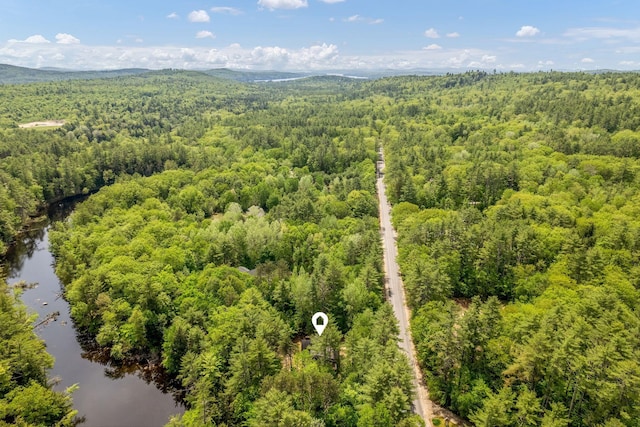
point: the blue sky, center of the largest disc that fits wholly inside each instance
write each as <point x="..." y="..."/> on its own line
<point x="322" y="34"/>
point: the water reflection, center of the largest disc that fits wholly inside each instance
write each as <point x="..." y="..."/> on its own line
<point x="24" y="248"/>
<point x="110" y="393"/>
<point x="151" y="372"/>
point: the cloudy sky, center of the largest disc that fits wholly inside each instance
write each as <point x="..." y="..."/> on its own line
<point x="519" y="35"/>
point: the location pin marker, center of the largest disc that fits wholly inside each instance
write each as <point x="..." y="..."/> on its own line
<point x="316" y="322"/>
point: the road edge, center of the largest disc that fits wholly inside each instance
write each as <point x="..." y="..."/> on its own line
<point x="424" y="408"/>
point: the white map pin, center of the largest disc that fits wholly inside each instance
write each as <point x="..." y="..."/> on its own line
<point x="320" y="326"/>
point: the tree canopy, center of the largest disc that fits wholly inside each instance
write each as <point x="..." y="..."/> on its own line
<point x="223" y="215"/>
<point x="516" y="207"/>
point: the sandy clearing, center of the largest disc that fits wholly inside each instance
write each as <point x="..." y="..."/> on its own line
<point x="48" y="123"/>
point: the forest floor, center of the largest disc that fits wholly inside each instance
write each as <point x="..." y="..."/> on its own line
<point x="48" y="123"/>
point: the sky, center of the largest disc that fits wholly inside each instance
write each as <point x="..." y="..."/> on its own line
<point x="316" y="35"/>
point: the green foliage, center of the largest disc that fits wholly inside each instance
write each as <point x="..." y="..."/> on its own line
<point x="276" y="409"/>
<point x="218" y="261"/>
<point x="25" y="396"/>
<point x="525" y="188"/>
<point x="229" y="213"/>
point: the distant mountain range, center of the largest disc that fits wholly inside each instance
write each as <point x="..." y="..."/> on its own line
<point x="11" y="74"/>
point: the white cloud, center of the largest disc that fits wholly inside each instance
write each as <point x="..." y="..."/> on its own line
<point x="282" y="4"/>
<point x="432" y="33"/>
<point x="321" y="56"/>
<point x="603" y="33"/>
<point x="313" y="57"/>
<point x="358" y="18"/>
<point x="188" y="55"/>
<point x="173" y="15"/>
<point x="275" y="55"/>
<point x="587" y="60"/>
<point x="484" y="61"/>
<point x="545" y="63"/>
<point x="78" y="56"/>
<point x="205" y="34"/>
<point x="64" y="38"/>
<point x="456" y="59"/>
<point x="37" y="38"/>
<point x="226" y="10"/>
<point x="130" y="38"/>
<point x="34" y="39"/>
<point x="332" y="1"/>
<point x="453" y="35"/>
<point x="323" y="52"/>
<point x="433" y="47"/>
<point x="199" y="16"/>
<point x="527" y="31"/>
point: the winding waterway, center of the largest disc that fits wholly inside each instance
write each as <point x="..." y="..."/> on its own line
<point x="108" y="395"/>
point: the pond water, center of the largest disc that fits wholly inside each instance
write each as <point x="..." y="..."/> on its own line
<point x="108" y="395"/>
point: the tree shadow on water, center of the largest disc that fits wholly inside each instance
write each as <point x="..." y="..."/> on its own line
<point x="146" y="367"/>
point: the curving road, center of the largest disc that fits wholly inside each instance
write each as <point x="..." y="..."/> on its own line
<point x="396" y="296"/>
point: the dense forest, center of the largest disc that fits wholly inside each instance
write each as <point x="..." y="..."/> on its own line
<point x="222" y="177"/>
<point x="516" y="203"/>
<point x="225" y="214"/>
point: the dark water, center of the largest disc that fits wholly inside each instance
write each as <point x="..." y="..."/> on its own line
<point x="108" y="395"/>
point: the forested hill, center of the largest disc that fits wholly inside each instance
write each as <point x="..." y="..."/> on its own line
<point x="253" y="76"/>
<point x="10" y="74"/>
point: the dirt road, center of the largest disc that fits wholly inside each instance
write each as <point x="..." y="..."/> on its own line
<point x="396" y="296"/>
